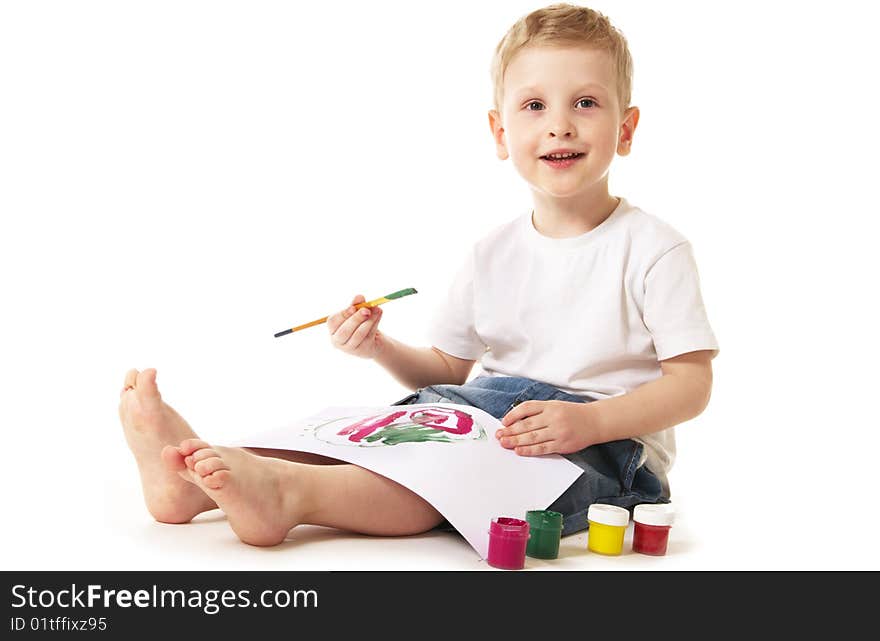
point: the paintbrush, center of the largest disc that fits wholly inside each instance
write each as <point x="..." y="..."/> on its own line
<point x="370" y="303"/>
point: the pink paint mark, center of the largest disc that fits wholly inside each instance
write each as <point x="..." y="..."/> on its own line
<point x="436" y="417"/>
<point x="433" y="418"/>
<point x="365" y="427"/>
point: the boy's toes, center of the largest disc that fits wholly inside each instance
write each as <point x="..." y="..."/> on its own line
<point x="128" y="383"/>
<point x="209" y="466"/>
<point x="202" y="454"/>
<point x="173" y="459"/>
<point x="145" y="384"/>
<point x="203" y="463"/>
<point x="217" y="480"/>
<point x="191" y="445"/>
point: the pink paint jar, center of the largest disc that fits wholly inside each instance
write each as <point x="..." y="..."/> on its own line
<point x="651" y="530"/>
<point x="507" y="543"/>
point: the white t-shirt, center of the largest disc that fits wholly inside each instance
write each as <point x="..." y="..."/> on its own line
<point x="591" y="315"/>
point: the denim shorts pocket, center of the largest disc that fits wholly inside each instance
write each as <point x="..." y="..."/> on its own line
<point x="632" y="466"/>
<point x="623" y="457"/>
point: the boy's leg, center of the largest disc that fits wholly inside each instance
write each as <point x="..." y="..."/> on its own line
<point x="264" y="498"/>
<point x="353" y="498"/>
<point x="149" y="425"/>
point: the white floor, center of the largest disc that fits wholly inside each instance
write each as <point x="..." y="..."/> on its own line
<point x="208" y="543"/>
<point x="68" y="536"/>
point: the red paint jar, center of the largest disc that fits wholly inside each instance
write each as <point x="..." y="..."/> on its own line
<point x="507" y="543"/>
<point x="651" y="530"/>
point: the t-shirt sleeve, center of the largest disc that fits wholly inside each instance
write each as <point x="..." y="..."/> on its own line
<point x="453" y="326"/>
<point x="674" y="312"/>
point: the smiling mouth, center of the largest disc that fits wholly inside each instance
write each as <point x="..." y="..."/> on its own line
<point x="563" y="161"/>
<point x="559" y="157"/>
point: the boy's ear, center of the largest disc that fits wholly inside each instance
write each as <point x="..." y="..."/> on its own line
<point x="498" y="135"/>
<point x="627" y="131"/>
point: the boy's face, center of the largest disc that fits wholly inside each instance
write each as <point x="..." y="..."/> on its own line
<point x="555" y="99"/>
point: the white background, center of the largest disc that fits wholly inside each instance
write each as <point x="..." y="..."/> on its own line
<point x="180" y="180"/>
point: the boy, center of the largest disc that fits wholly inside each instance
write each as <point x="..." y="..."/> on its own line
<point x="585" y="315"/>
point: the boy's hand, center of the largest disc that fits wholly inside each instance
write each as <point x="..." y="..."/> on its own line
<point x="356" y="331"/>
<point x="533" y="428"/>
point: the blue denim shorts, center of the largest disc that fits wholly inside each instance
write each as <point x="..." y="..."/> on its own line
<point x="611" y="471"/>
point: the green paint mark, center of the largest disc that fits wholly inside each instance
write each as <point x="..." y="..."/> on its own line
<point x="409" y="433"/>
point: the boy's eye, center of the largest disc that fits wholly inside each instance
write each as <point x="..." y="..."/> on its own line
<point x="586" y="103"/>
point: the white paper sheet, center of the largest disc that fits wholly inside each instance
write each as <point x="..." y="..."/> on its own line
<point x="446" y="453"/>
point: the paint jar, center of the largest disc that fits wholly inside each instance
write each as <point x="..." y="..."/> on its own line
<point x="607" y="527"/>
<point x="651" y="529"/>
<point x="507" y="543"/>
<point x="545" y="530"/>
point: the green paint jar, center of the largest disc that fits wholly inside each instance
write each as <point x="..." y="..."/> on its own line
<point x="545" y="530"/>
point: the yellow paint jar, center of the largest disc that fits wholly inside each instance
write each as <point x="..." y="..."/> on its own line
<point x="607" y="527"/>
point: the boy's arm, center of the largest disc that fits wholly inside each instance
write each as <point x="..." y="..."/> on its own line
<point x="415" y="367"/>
<point x="678" y="396"/>
<point x="543" y="427"/>
<point x="357" y="333"/>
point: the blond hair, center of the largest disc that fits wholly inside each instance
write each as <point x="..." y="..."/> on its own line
<point x="564" y="25"/>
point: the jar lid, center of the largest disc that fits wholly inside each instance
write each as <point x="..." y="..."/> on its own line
<point x="654" y="514"/>
<point x="608" y="514"/>
<point x="507" y="527"/>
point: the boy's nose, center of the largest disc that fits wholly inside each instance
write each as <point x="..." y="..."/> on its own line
<point x="562" y="128"/>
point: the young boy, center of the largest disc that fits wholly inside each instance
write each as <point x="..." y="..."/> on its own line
<point x="585" y="314"/>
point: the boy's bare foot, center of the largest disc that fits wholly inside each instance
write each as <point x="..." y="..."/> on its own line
<point x="260" y="496"/>
<point x="149" y="425"/>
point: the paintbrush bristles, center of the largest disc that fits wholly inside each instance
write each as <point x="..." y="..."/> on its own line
<point x="401" y="293"/>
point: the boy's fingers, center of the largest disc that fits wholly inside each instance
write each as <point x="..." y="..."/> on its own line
<point x="371" y="324"/>
<point x="359" y="335"/>
<point x="536" y="450"/>
<point x="352" y="325"/>
<point x="343" y="334"/>
<point x="524" y="409"/>
<point x="524" y="424"/>
<point x="357" y="323"/>
<point x="532" y="437"/>
<point x="334" y="321"/>
<point x="375" y="327"/>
